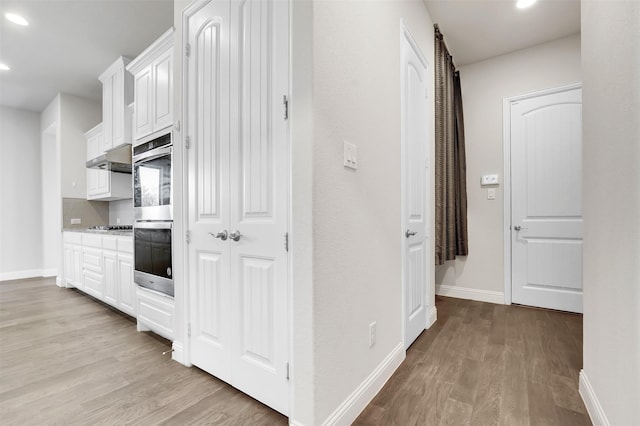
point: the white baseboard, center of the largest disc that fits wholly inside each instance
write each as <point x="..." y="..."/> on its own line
<point x="49" y="272"/>
<point x="432" y="317"/>
<point x="19" y="275"/>
<point x="596" y="413"/>
<point x="178" y="353"/>
<point x="351" y="408"/>
<point x="470" y="294"/>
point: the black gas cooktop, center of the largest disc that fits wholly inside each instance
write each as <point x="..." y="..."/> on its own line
<point x="112" y="227"/>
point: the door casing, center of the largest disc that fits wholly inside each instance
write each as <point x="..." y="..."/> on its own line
<point x="506" y="138"/>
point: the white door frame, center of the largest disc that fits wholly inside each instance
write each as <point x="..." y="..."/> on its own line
<point x="506" y="139"/>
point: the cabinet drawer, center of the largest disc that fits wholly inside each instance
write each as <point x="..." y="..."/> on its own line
<point x="92" y="259"/>
<point x="110" y="243"/>
<point x="156" y="312"/>
<point x="125" y="244"/>
<point x="92" y="284"/>
<point x="72" y="238"/>
<point x="91" y="240"/>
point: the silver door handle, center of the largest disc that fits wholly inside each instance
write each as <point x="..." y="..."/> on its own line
<point x="519" y="228"/>
<point x="222" y="235"/>
<point x="235" y="235"/>
<point x="408" y="233"/>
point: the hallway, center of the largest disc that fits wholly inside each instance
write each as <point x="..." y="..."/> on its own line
<point x="487" y="364"/>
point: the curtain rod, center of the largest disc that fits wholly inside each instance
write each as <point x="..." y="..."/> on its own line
<point x="440" y="37"/>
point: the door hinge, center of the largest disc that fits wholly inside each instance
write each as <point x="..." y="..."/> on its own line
<point x="285" y="102"/>
<point x="189" y="329"/>
<point x="187" y="142"/>
<point x="188" y="237"/>
<point x="286" y="241"/>
<point x="187" y="50"/>
<point x="287" y="368"/>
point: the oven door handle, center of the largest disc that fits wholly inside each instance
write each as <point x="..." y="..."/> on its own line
<point x="152" y="225"/>
<point x="151" y="155"/>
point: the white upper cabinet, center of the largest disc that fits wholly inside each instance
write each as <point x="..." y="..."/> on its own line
<point x="153" y="80"/>
<point x="117" y="93"/>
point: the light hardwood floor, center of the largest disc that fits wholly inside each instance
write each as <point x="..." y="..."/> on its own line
<point x="67" y="359"/>
<point x="487" y="364"/>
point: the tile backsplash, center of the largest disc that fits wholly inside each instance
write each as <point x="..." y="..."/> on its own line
<point x="90" y="213"/>
<point x="122" y="210"/>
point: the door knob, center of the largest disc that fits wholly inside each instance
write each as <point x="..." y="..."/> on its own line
<point x="408" y="233"/>
<point x="235" y="235"/>
<point x="519" y="228"/>
<point x="222" y="235"/>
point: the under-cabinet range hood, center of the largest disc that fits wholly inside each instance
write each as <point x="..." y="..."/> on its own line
<point x="116" y="160"/>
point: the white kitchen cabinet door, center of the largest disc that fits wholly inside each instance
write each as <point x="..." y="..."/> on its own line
<point x="117" y="94"/>
<point x="153" y="78"/>
<point x="126" y="286"/>
<point x="238" y="182"/>
<point x="92" y="284"/>
<point x="107" y="113"/>
<point x="68" y="265"/>
<point x="143" y="82"/>
<point x="110" y="276"/>
<point x="163" y="90"/>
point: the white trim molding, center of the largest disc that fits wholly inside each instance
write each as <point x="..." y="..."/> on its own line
<point x="351" y="407"/>
<point x="596" y="413"/>
<point x="29" y="273"/>
<point x="432" y="316"/>
<point x="506" y="150"/>
<point x="470" y="293"/>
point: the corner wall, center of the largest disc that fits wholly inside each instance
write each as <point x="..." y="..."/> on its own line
<point x="357" y="236"/>
<point x="480" y="275"/>
<point x="610" y="380"/>
<point x="20" y="194"/>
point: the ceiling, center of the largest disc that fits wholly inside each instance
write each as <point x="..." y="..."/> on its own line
<point x="475" y="30"/>
<point x="69" y="43"/>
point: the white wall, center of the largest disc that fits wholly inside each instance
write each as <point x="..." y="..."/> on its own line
<point x="51" y="210"/>
<point x="610" y="381"/>
<point x="357" y="236"/>
<point x="20" y="194"/>
<point x="77" y="115"/>
<point x="485" y="84"/>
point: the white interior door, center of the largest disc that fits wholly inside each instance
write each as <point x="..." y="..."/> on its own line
<point x="259" y="199"/>
<point x="415" y="139"/>
<point x="546" y="201"/>
<point x="238" y="195"/>
<point x="208" y="182"/>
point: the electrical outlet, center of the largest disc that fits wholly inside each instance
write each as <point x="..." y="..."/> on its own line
<point x="76" y="221"/>
<point x="372" y="334"/>
<point x="117" y="221"/>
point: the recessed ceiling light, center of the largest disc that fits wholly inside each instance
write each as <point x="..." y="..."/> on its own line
<point x="16" y="19"/>
<point x="523" y="4"/>
<point x="4" y="67"/>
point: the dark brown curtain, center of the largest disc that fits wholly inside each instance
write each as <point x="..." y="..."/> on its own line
<point x="450" y="163"/>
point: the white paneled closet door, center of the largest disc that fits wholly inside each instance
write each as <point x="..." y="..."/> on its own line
<point x="546" y="201"/>
<point x="238" y="195"/>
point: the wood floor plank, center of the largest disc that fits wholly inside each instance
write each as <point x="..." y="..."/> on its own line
<point x="67" y="360"/>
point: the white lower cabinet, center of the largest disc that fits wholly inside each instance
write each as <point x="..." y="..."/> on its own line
<point x="102" y="267"/>
<point x="127" y="288"/>
<point x="73" y="260"/>
<point x="155" y="313"/>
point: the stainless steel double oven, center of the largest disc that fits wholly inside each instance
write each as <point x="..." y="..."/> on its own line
<point x="153" y="212"/>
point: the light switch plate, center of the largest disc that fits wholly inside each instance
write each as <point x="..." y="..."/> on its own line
<point x="489" y="180"/>
<point x="491" y="194"/>
<point x="350" y="155"/>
